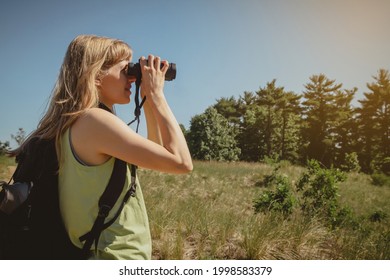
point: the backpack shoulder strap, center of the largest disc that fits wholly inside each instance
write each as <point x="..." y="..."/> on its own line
<point x="106" y="203"/>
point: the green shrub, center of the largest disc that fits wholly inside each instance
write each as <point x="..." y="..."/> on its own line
<point x="380" y="179"/>
<point x="378" y="216"/>
<point x="279" y="199"/>
<point x="351" y="163"/>
<point x="320" y="193"/>
<point x="381" y="164"/>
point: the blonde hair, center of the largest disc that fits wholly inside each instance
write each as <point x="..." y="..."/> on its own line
<point x="87" y="60"/>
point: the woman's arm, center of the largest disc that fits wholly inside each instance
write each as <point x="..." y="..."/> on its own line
<point x="98" y="134"/>
<point x="153" y="129"/>
<point x="162" y="125"/>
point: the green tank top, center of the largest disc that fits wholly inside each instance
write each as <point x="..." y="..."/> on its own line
<point x="80" y="188"/>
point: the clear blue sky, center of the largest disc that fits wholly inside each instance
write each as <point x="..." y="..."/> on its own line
<point x="222" y="47"/>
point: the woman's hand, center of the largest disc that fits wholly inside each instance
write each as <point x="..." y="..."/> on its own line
<point x="153" y="76"/>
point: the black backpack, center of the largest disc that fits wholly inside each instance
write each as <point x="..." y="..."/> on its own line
<point x="34" y="230"/>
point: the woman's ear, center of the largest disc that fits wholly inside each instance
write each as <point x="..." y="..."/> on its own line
<point x="100" y="77"/>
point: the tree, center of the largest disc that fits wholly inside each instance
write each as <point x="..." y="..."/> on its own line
<point x="246" y="101"/>
<point x="249" y="136"/>
<point x="210" y="137"/>
<point x="279" y="123"/>
<point x="319" y="118"/>
<point x="267" y="122"/>
<point x="344" y="126"/>
<point x="374" y="120"/>
<point x="290" y="110"/>
<point x="228" y="107"/>
<point x="19" y="137"/>
<point x="4" y="147"/>
<point x="251" y="139"/>
<point x="270" y="97"/>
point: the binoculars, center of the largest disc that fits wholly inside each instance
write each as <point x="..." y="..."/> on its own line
<point x="134" y="70"/>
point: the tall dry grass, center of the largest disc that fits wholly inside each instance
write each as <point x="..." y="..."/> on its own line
<point x="7" y="167"/>
<point x="208" y="214"/>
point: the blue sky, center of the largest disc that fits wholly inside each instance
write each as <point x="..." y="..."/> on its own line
<point x="221" y="47"/>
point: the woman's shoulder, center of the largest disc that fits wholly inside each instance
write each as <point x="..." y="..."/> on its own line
<point x="96" y="122"/>
<point x="96" y="117"/>
<point x="91" y="132"/>
<point x="96" y="114"/>
<point x="93" y="122"/>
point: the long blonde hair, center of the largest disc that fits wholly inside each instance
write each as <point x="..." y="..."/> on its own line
<point x="87" y="60"/>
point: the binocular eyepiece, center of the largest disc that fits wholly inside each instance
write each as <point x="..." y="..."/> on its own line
<point x="134" y="70"/>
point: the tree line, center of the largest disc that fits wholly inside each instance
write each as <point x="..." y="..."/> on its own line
<point x="320" y="123"/>
<point x="271" y="123"/>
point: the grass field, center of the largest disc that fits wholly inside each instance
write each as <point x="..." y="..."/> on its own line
<point x="7" y="166"/>
<point x="209" y="214"/>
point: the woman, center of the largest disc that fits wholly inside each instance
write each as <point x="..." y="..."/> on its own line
<point x="88" y="139"/>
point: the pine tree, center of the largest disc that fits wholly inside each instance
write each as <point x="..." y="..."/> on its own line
<point x="290" y="130"/>
<point x="374" y="117"/>
<point x="228" y="107"/>
<point x="249" y="137"/>
<point x="319" y="118"/>
<point x="269" y="98"/>
<point x="344" y="127"/>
